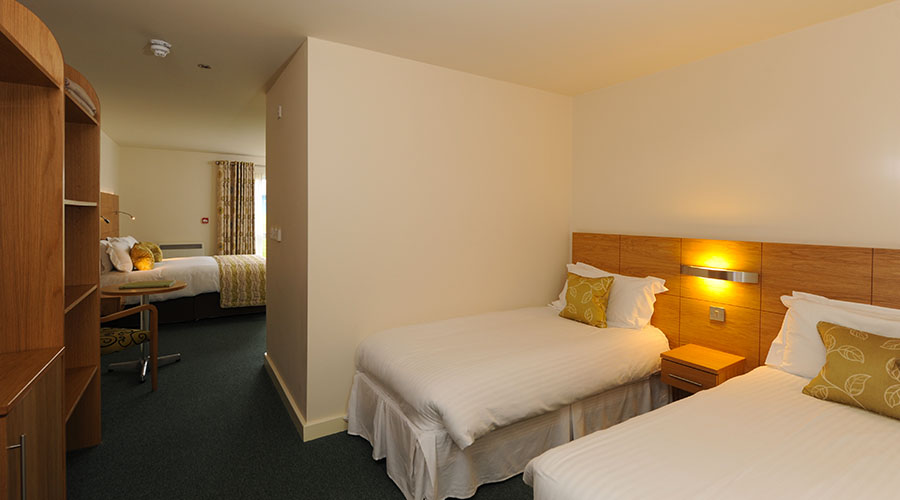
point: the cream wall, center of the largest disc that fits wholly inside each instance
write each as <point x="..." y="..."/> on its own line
<point x="286" y="204"/>
<point x="168" y="192"/>
<point x="795" y="139"/>
<point x="432" y="193"/>
<point x="109" y="164"/>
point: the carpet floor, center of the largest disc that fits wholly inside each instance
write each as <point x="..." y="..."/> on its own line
<point x="217" y="429"/>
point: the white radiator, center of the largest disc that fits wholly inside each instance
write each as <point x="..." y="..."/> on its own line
<point x="182" y="249"/>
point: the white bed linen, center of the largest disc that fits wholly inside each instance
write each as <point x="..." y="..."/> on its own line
<point x="474" y="374"/>
<point x="428" y="464"/>
<point x="755" y="436"/>
<point x="200" y="273"/>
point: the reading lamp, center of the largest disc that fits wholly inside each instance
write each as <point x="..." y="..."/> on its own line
<point x="104" y="219"/>
<point x="126" y="213"/>
<point x="718" y="313"/>
<point x="720" y="274"/>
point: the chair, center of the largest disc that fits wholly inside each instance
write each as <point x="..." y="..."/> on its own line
<point x="114" y="339"/>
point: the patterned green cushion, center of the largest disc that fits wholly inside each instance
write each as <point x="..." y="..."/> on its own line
<point x="116" y="339"/>
<point x="587" y="299"/>
<point x="861" y="369"/>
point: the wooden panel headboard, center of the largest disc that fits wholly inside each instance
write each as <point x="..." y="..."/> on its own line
<point x="109" y="205"/>
<point x="753" y="310"/>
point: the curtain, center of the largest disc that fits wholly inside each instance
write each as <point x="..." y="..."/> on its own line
<point x="234" y="233"/>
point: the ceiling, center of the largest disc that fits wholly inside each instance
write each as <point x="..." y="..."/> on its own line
<point x="564" y="46"/>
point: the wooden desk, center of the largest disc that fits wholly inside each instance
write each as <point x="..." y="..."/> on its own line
<point x="140" y="365"/>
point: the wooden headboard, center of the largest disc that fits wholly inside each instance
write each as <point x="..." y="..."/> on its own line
<point x="109" y="205"/>
<point x="753" y="310"/>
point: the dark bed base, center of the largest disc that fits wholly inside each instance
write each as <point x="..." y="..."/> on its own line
<point x="203" y="306"/>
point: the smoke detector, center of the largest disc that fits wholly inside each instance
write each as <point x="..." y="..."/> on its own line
<point x="160" y="48"/>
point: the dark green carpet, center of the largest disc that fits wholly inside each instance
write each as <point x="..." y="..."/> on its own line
<point x="217" y="429"/>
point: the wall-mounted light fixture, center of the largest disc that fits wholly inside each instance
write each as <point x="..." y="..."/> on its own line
<point x="104" y="219"/>
<point x="720" y="274"/>
<point x="126" y="213"/>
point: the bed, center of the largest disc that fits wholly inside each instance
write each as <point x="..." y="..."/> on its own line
<point x="200" y="273"/>
<point x="243" y="282"/>
<point x="755" y="436"/>
<point x="769" y="433"/>
<point x="458" y="403"/>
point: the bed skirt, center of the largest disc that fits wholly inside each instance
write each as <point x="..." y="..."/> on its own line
<point x="427" y="464"/>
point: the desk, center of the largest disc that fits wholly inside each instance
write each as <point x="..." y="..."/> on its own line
<point x="140" y="365"/>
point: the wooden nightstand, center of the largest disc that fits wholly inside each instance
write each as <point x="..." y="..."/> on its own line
<point x="693" y="368"/>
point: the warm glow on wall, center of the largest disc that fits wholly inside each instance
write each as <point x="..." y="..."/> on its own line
<point x="716" y="287"/>
<point x="715" y="261"/>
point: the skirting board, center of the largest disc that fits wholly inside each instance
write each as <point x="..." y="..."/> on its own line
<point x="308" y="430"/>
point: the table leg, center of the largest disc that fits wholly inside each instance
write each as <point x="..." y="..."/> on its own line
<point x="145" y="355"/>
<point x="141" y="365"/>
<point x="138" y="365"/>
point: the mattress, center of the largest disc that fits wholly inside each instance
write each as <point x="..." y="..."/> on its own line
<point x="474" y="374"/>
<point x="200" y="273"/>
<point x="755" y="436"/>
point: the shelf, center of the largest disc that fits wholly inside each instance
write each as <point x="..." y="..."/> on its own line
<point x="76" y="113"/>
<point x="78" y="203"/>
<point x="16" y="65"/>
<point x="77" y="380"/>
<point x="20" y="369"/>
<point x="76" y="293"/>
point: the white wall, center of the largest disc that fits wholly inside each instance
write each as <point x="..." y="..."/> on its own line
<point x="286" y="204"/>
<point x="110" y="158"/>
<point x="169" y="192"/>
<point x="432" y="193"/>
<point x="794" y="139"/>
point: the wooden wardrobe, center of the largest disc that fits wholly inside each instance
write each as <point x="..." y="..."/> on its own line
<point x="49" y="261"/>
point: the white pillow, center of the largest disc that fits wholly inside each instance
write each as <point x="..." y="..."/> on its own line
<point x="630" y="300"/>
<point x="798" y="349"/>
<point x="867" y="309"/>
<point x="120" y="254"/>
<point x="105" y="264"/>
<point x="131" y="240"/>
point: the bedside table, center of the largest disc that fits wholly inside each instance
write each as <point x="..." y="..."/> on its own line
<point x="693" y="368"/>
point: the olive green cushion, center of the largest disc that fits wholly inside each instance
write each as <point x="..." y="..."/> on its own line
<point x="587" y="299"/>
<point x="154" y="249"/>
<point x="115" y="339"/>
<point x="142" y="257"/>
<point x="861" y="369"/>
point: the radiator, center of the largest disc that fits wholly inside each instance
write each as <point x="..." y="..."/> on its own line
<point x="182" y="249"/>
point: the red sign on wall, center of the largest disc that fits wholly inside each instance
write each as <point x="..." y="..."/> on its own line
<point x="204" y="220"/>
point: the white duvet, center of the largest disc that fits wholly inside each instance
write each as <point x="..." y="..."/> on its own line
<point x="474" y="374"/>
<point x="200" y="273"/>
<point x="756" y="436"/>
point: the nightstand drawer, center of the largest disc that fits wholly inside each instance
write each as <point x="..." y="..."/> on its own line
<point x="686" y="378"/>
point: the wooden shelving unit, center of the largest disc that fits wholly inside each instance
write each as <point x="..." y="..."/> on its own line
<point x="76" y="113"/>
<point x="32" y="278"/>
<point x="29" y="54"/>
<point x="82" y="274"/>
<point x="77" y="203"/>
<point x="77" y="382"/>
<point x="76" y="293"/>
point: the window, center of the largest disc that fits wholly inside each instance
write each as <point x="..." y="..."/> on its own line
<point x="259" y="209"/>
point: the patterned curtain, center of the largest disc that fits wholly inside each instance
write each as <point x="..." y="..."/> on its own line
<point x="235" y="208"/>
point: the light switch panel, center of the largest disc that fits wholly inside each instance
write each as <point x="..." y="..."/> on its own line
<point x="716" y="313"/>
